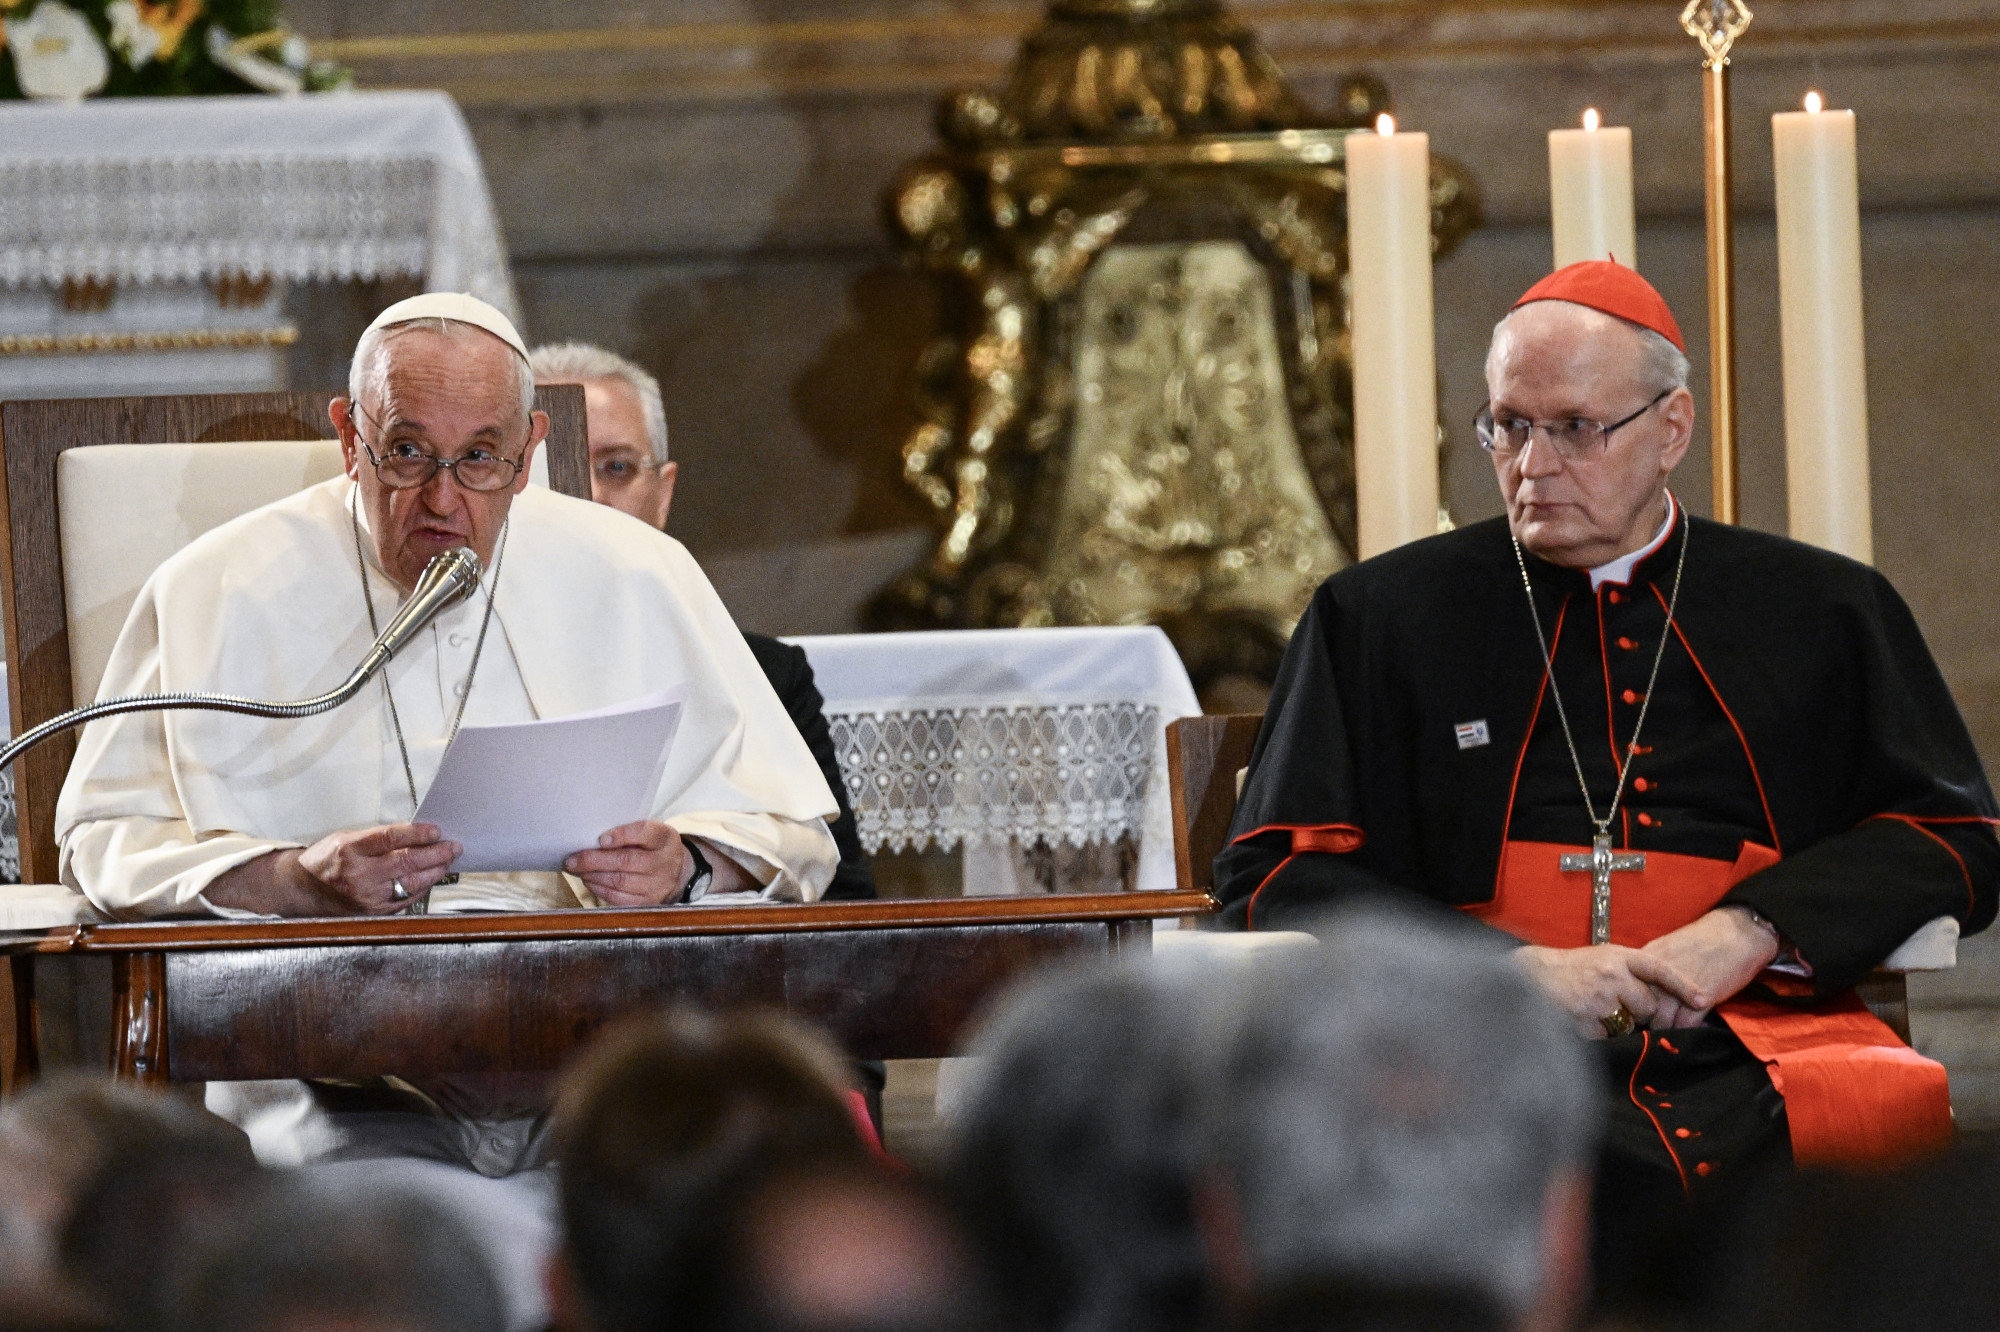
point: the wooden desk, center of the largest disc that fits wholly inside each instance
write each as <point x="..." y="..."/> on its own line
<point x="364" y="996"/>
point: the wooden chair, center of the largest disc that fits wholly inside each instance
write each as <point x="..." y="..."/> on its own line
<point x="350" y="997"/>
<point x="1205" y="760"/>
<point x="1204" y="756"/>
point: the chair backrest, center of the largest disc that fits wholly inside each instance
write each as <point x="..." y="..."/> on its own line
<point x="1204" y="756"/>
<point x="98" y="491"/>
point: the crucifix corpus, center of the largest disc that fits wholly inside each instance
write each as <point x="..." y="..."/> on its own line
<point x="1602" y="862"/>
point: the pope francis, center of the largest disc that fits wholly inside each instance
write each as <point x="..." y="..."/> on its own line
<point x="580" y="607"/>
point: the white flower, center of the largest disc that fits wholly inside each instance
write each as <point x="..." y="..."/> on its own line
<point x="295" y="53"/>
<point x="57" y="54"/>
<point x="253" y="69"/>
<point x="131" y="36"/>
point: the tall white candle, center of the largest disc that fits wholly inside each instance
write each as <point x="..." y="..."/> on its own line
<point x="1819" y="304"/>
<point x="1395" y="357"/>
<point x="1590" y="193"/>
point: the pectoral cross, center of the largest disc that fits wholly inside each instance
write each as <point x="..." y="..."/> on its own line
<point x="1602" y="862"/>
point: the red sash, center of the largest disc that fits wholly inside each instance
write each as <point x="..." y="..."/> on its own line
<point x="1854" y="1094"/>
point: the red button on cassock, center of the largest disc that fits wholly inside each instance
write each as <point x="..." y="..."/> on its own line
<point x="1615" y="598"/>
<point x="1630" y="696"/>
<point x="1641" y="784"/>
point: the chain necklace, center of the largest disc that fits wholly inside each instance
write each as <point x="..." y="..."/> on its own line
<point x="1602" y="861"/>
<point x="478" y="647"/>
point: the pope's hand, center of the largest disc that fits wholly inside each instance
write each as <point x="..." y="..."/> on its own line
<point x="1590" y="983"/>
<point x="635" y="865"/>
<point x="358" y="870"/>
<point x="1720" y="953"/>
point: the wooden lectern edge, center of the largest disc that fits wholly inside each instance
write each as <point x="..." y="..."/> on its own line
<point x="607" y="923"/>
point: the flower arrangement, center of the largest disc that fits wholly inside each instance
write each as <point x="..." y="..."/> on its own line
<point x="67" y="50"/>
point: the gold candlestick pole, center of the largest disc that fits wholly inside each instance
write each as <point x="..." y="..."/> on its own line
<point x="1716" y="24"/>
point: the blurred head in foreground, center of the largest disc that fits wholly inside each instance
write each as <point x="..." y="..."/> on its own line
<point x="304" y="1258"/>
<point x="1400" y="1116"/>
<point x="88" y="1167"/>
<point x="1074" y="1159"/>
<point x="665" y="1114"/>
<point x="834" y="1245"/>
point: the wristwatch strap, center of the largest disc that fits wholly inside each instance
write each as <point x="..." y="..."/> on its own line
<point x="703" y="871"/>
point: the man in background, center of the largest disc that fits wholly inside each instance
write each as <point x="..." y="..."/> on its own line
<point x="631" y="472"/>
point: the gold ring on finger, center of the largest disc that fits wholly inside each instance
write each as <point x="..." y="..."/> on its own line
<point x="1619" y="1022"/>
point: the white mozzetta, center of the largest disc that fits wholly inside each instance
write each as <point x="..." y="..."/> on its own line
<point x="983" y="737"/>
<point x="590" y="609"/>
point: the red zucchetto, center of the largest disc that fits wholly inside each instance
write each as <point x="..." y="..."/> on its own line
<point x="1612" y="288"/>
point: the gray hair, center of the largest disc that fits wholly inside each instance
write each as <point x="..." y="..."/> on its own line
<point x="1075" y="1157"/>
<point x="579" y="362"/>
<point x="1662" y="366"/>
<point x="365" y="370"/>
<point x="348" y="1252"/>
<point x="1393" y="1109"/>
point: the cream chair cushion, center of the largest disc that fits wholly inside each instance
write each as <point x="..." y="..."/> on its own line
<point x="124" y="508"/>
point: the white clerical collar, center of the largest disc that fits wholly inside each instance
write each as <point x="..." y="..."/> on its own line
<point x="1620" y="570"/>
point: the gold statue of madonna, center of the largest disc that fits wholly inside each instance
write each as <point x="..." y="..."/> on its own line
<point x="1141" y="411"/>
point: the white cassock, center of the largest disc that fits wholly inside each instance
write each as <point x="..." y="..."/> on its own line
<point x="592" y="608"/>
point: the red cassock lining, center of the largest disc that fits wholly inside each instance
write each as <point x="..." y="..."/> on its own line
<point x="1854" y="1094"/>
<point x="1332" y="838"/>
<point x="1918" y="824"/>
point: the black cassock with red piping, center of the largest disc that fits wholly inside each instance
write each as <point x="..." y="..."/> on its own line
<point x="1410" y="737"/>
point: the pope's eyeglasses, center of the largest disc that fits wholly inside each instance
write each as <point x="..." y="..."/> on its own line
<point x="1575" y="439"/>
<point x="404" y="466"/>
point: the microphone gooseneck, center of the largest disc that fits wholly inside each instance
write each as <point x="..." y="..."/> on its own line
<point x="449" y="578"/>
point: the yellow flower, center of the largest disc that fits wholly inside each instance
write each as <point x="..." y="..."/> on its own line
<point x="171" y="19"/>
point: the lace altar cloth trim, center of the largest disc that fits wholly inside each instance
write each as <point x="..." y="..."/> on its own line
<point x="185" y="219"/>
<point x="982" y="776"/>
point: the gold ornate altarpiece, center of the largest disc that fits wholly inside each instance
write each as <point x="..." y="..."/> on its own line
<point x="1141" y="409"/>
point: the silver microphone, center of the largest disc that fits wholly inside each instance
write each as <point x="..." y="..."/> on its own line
<point x="449" y="578"/>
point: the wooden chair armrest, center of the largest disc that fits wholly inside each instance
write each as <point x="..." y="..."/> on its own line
<point x="1205" y="946"/>
<point x="1932" y="948"/>
<point x="43" y="906"/>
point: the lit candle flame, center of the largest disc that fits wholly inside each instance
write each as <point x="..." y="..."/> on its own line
<point x="1814" y="103"/>
<point x="1591" y="119"/>
<point x="1385" y="124"/>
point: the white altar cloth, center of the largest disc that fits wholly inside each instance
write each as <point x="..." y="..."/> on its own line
<point x="321" y="186"/>
<point x="986" y="736"/>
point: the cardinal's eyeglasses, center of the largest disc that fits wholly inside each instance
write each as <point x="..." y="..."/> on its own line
<point x="1574" y="438"/>
<point x="404" y="466"/>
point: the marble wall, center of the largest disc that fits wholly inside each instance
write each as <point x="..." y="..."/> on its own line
<point x="697" y="183"/>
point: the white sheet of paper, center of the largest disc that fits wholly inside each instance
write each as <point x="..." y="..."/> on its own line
<point x="527" y="795"/>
